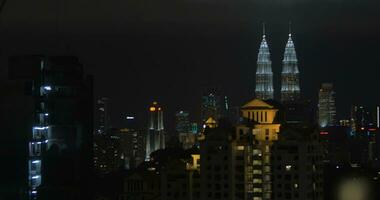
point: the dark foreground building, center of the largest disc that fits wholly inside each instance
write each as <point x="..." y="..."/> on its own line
<point x="60" y="139"/>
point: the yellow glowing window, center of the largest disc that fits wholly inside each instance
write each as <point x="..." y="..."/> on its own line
<point x="241" y="148"/>
<point x="152" y="109"/>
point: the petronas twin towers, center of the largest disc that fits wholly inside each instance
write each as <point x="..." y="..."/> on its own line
<point x="290" y="89"/>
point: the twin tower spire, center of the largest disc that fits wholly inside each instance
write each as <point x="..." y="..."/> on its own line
<point x="290" y="89"/>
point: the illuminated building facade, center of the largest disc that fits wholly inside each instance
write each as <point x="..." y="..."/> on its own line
<point x="60" y="146"/>
<point x="260" y="122"/>
<point x="290" y="86"/>
<point x="326" y="106"/>
<point x="155" y="138"/>
<point x="264" y="75"/>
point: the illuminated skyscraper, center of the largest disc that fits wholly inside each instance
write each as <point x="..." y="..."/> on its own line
<point x="264" y="74"/>
<point x="60" y="146"/>
<point x="155" y="136"/>
<point x="326" y="106"/>
<point x="290" y="87"/>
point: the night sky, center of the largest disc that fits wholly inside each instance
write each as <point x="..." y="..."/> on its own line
<point x="167" y="50"/>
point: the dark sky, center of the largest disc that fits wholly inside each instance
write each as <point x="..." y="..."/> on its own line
<point x="166" y="50"/>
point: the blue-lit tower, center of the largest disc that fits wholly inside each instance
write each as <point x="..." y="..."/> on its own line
<point x="264" y="74"/>
<point x="290" y="87"/>
<point x="60" y="145"/>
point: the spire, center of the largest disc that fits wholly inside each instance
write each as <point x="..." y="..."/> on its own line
<point x="263" y="29"/>
<point x="264" y="75"/>
<point x="290" y="89"/>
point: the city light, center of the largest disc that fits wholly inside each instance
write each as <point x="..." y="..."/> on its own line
<point x="48" y="88"/>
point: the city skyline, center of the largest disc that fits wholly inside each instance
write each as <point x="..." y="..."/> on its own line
<point x="190" y="99"/>
<point x="203" y="59"/>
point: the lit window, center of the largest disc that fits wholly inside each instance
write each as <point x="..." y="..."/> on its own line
<point x="152" y="109"/>
<point x="295" y="185"/>
<point x="48" y="88"/>
<point x="288" y="167"/>
<point x="240" y="148"/>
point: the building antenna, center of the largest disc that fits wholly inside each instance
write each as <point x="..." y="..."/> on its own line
<point x="290" y="28"/>
<point x="263" y="29"/>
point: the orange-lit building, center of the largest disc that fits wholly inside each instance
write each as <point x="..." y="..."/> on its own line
<point x="155" y="138"/>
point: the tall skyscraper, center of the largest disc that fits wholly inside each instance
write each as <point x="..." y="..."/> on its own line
<point x="213" y="105"/>
<point x="184" y="130"/>
<point x="60" y="146"/>
<point x="155" y="138"/>
<point x="290" y="87"/>
<point x="182" y="122"/>
<point x="326" y="106"/>
<point x="133" y="145"/>
<point x="103" y="115"/>
<point x="264" y="75"/>
<point x="107" y="152"/>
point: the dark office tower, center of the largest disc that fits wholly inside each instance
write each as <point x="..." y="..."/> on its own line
<point x="103" y="115"/>
<point x="326" y="106"/>
<point x="213" y="105"/>
<point x="264" y="74"/>
<point x="290" y="87"/>
<point x="186" y="137"/>
<point x="155" y="138"/>
<point x="182" y="122"/>
<point x="297" y="165"/>
<point x="107" y="152"/>
<point x="226" y="163"/>
<point x="60" y="147"/>
<point x="133" y="145"/>
<point x="362" y="120"/>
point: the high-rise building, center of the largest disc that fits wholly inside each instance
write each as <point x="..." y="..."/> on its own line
<point x="260" y="121"/>
<point x="226" y="164"/>
<point x="103" y="115"/>
<point x="264" y="75"/>
<point x="183" y="124"/>
<point x="184" y="130"/>
<point x="132" y="143"/>
<point x="60" y="146"/>
<point x="297" y="165"/>
<point x="155" y="138"/>
<point x="213" y="105"/>
<point x="326" y="106"/>
<point x="290" y="86"/>
<point x="107" y="152"/>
